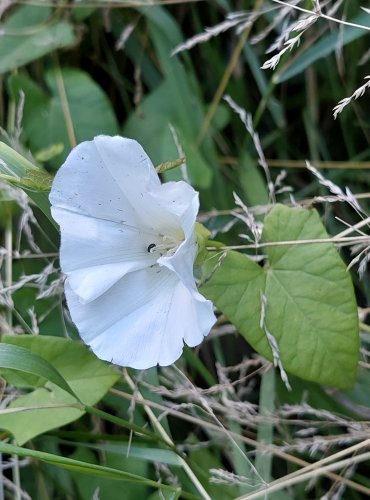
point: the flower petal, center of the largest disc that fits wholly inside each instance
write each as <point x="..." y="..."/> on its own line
<point x="104" y="178"/>
<point x="97" y="253"/>
<point x="183" y="201"/>
<point x="180" y="199"/>
<point x="143" y="319"/>
<point x="131" y="168"/>
<point x="128" y="164"/>
<point x="130" y="306"/>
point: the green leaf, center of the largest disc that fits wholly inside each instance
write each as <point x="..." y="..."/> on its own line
<point x="357" y="398"/>
<point x="265" y="433"/>
<point x="141" y="452"/>
<point x="80" y="466"/>
<point x="253" y="181"/>
<point x="311" y="308"/>
<point x="28" y="16"/>
<point x="21" y="359"/>
<point x="30" y="34"/>
<point x="150" y="125"/>
<point x="44" y="114"/>
<point x="107" y="488"/>
<point x="260" y="76"/>
<point x="47" y="154"/>
<point x="49" y="407"/>
<point x="170" y="103"/>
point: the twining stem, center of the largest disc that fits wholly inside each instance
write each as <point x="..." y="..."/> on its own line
<point x="166" y="437"/>
<point x="348" y="240"/>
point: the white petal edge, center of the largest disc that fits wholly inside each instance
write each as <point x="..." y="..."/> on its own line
<point x="104" y="178"/>
<point x="143" y="320"/>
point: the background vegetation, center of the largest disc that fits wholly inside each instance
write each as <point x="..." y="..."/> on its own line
<point x="221" y="423"/>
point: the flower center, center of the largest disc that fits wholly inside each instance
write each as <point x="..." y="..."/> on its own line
<point x="165" y="245"/>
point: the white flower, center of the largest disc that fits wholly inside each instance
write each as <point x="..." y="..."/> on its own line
<point x="128" y="246"/>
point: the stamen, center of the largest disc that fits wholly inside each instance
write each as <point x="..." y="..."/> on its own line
<point x="167" y="246"/>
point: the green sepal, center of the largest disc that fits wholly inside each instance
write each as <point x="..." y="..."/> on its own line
<point x="20" y="172"/>
<point x="17" y="170"/>
<point x="202" y="234"/>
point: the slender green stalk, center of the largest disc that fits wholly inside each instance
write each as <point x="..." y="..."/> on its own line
<point x="226" y="77"/>
<point x="8" y="283"/>
<point x="65" y="105"/>
<point x="166" y="438"/>
<point x="127" y="425"/>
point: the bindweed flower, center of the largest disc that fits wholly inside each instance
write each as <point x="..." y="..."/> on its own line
<point x="128" y="246"/>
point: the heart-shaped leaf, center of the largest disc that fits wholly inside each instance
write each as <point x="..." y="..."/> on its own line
<point x="311" y="308"/>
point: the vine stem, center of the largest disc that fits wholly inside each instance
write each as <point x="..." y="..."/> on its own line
<point x="339" y="240"/>
<point x="165" y="436"/>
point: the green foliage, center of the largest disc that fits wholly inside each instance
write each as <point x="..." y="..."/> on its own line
<point x="72" y="373"/>
<point x="82" y="467"/>
<point x="315" y="327"/>
<point x="142" y="453"/>
<point x="73" y="70"/>
<point x="18" y="171"/>
<point x="74" y="110"/>
<point x="31" y="33"/>
<point x="169" y="104"/>
<point x="18" y="358"/>
<point x="108" y="489"/>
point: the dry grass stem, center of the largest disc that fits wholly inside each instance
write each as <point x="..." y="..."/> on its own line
<point x="356" y="94"/>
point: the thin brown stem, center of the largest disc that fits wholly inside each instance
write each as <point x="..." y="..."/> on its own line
<point x="226" y="77"/>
